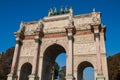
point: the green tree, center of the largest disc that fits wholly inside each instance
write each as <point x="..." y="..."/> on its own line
<point x="56" y="71"/>
<point x="62" y="73"/>
<point x="114" y="67"/>
<point x="5" y="63"/>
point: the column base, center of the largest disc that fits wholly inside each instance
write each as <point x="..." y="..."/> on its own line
<point x="33" y="77"/>
<point x="12" y="76"/>
<point x="69" y="77"/>
<point x="100" y="77"/>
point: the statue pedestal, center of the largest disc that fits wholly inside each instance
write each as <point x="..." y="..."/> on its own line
<point x="11" y="76"/>
<point x="69" y="77"/>
<point x="33" y="77"/>
<point x="100" y="77"/>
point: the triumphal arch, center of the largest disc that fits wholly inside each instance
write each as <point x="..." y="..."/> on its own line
<point x="38" y="43"/>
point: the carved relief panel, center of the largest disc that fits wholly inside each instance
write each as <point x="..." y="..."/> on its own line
<point x="84" y="44"/>
<point x="28" y="48"/>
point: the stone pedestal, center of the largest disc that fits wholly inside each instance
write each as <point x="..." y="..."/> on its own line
<point x="11" y="76"/>
<point x="33" y="77"/>
<point x="69" y="77"/>
<point x="100" y="77"/>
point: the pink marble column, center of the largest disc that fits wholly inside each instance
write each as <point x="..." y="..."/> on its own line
<point x="69" y="68"/>
<point x="34" y="75"/>
<point x="37" y="41"/>
<point x="70" y="43"/>
<point x="15" y="56"/>
<point x="97" y="41"/>
<point x="12" y="75"/>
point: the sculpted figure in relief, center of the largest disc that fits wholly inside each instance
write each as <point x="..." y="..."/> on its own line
<point x="94" y="17"/>
<point x="40" y="26"/>
<point x="22" y="27"/>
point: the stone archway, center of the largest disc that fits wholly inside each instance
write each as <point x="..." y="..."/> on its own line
<point x="25" y="71"/>
<point x="81" y="68"/>
<point x="50" y="55"/>
<point x="82" y="37"/>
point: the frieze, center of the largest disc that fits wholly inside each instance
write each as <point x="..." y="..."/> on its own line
<point x="83" y="27"/>
<point x="54" y="30"/>
<point x="29" y="43"/>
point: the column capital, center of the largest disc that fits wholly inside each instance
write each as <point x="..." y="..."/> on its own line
<point x="19" y="35"/>
<point x="70" y="30"/>
<point x="97" y="35"/>
<point x="39" y="34"/>
<point x="19" y="42"/>
<point x="70" y="37"/>
<point x="96" y="27"/>
<point x="37" y="40"/>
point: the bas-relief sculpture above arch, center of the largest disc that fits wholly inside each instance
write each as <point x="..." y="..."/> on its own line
<point x="82" y="37"/>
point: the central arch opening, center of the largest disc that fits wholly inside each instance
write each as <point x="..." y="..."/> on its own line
<point x="85" y="71"/>
<point x="49" y="61"/>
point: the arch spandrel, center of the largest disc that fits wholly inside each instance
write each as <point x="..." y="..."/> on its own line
<point x="22" y="63"/>
<point x="91" y="60"/>
<point x="85" y="64"/>
<point x="46" y="43"/>
<point x="81" y="67"/>
<point x="53" y="47"/>
<point x="26" y="63"/>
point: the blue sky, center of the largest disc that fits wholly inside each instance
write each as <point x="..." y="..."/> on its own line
<point x="12" y="12"/>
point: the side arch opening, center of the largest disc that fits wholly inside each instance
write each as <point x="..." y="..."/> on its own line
<point x="25" y="71"/>
<point x="85" y="71"/>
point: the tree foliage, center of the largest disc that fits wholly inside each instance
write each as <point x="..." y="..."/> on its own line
<point x="62" y="73"/>
<point x="114" y="67"/>
<point x="5" y="63"/>
<point x="56" y="72"/>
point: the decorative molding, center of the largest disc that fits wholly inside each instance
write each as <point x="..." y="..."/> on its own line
<point x="37" y="40"/>
<point x="19" y="42"/>
<point x="55" y="35"/>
